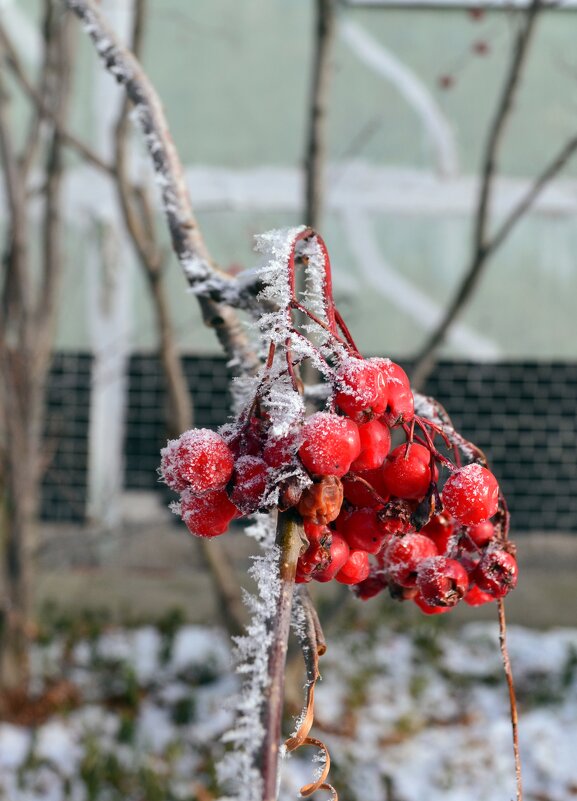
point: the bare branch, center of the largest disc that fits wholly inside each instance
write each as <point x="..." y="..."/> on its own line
<point x="318" y="111"/>
<point x="426" y="359"/>
<point x="138" y="218"/>
<point x="16" y="288"/>
<point x="60" y="56"/>
<point x="501" y="120"/>
<point x="15" y="63"/>
<point x="204" y="278"/>
<point x="524" y="205"/>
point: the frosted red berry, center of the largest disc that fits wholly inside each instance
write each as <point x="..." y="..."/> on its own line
<point x="207" y="515"/>
<point x="497" y="573"/>
<point x="329" y="444"/>
<point x="280" y="452"/>
<point x="199" y="459"/>
<point x="407" y="471"/>
<point x="363" y="392"/>
<point x="481" y="533"/>
<point x="404" y="555"/>
<point x="442" y="581"/>
<point x="471" y="494"/>
<point x="249" y="483"/>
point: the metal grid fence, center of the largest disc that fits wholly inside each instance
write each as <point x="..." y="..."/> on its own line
<point x="523" y="415"/>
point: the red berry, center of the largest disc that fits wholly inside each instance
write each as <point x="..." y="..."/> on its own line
<point x="355" y="569"/>
<point x="371" y="586"/>
<point x="442" y="581"/>
<point x="207" y="515"/>
<point x="246" y="440"/>
<point x="497" y="573"/>
<point x="476" y="597"/>
<point x="403" y="557"/>
<point x="316" y="557"/>
<point x="401" y="404"/>
<point x="481" y="533"/>
<point x="329" y="444"/>
<point x="446" y="81"/>
<point x="199" y="459"/>
<point x="316" y="535"/>
<point x="363" y="531"/>
<point x="481" y="48"/>
<point x="471" y="494"/>
<point x="280" y="452"/>
<point x="249" y="483"/>
<point x="357" y="493"/>
<point x="363" y="394"/>
<point x="408" y="475"/>
<point x="427" y="609"/>
<point x="375" y="444"/>
<point x="338" y="555"/>
<point x="440" y="529"/>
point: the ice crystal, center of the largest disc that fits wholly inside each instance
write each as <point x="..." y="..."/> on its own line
<point x="238" y="770"/>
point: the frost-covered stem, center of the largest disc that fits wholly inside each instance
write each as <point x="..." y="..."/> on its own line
<point x="290" y="540"/>
<point x="512" y="697"/>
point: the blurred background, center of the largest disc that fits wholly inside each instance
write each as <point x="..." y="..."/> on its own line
<point x="431" y="143"/>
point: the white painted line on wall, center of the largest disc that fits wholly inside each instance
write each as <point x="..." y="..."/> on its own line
<point x="359" y="185"/>
<point x="374" y="55"/>
<point x="403" y="293"/>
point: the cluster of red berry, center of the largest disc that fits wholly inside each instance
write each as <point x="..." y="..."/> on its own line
<point x="363" y="499"/>
<point x="414" y="519"/>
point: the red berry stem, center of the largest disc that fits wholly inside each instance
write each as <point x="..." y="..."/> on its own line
<point x="290" y="365"/>
<point x="512" y="696"/>
<point x="346" y="333"/>
<point x="300" y="307"/>
<point x="329" y="301"/>
<point x="360" y="480"/>
<point x="290" y="540"/>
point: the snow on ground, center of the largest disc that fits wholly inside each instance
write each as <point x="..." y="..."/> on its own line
<point x="406" y="716"/>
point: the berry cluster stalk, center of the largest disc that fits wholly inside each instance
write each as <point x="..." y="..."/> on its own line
<point x="290" y="539"/>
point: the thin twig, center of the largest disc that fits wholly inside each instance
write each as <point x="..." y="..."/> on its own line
<point x="524" y="205"/>
<point x="315" y="162"/>
<point x="15" y="63"/>
<point x="188" y="243"/>
<point x="179" y="414"/>
<point x="426" y="359"/>
<point x="16" y="300"/>
<point x="512" y="697"/>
